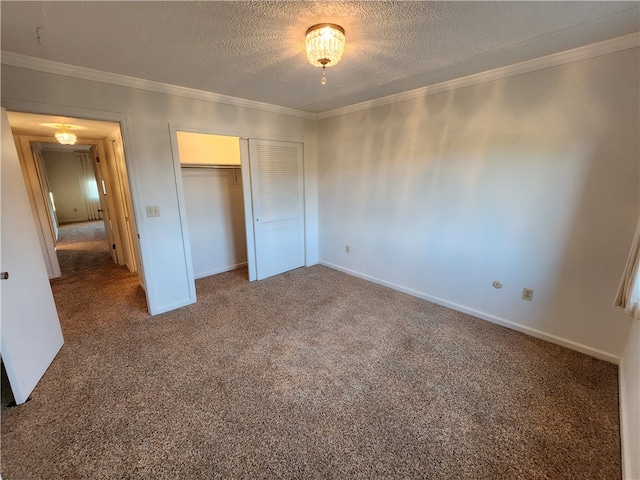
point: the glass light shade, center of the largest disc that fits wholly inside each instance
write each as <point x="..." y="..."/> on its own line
<point x="325" y="44"/>
<point x="65" y="137"/>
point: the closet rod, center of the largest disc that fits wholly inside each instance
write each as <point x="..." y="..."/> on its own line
<point x="199" y="165"/>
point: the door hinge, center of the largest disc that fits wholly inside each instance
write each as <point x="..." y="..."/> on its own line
<point x="113" y="246"/>
<point x="97" y="159"/>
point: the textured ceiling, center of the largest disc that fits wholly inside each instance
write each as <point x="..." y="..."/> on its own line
<point x="255" y="50"/>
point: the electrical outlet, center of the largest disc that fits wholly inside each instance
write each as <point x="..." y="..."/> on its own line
<point x="527" y="294"/>
<point x="153" y="211"/>
<point x="346" y="249"/>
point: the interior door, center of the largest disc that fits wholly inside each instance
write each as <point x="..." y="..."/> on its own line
<point x="104" y="203"/>
<point x="30" y="331"/>
<point x="34" y="173"/>
<point x="45" y="189"/>
<point x="277" y="194"/>
<point x="121" y="183"/>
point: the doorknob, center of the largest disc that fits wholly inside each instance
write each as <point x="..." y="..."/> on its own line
<point x="4" y="275"/>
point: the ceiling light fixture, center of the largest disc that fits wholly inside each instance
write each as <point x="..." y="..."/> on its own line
<point x="325" y="44"/>
<point x="65" y="136"/>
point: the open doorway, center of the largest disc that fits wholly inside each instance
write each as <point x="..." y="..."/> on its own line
<point x="213" y="198"/>
<point x="71" y="184"/>
<point x="78" y="188"/>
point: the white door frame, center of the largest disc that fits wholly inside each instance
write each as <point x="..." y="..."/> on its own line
<point x="32" y="175"/>
<point x="105" y="189"/>
<point x="246" y="191"/>
<point x="44" y="181"/>
<point x="132" y="174"/>
<point x="248" y="209"/>
<point x="40" y="199"/>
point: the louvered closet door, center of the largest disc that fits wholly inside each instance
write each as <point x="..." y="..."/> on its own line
<point x="278" y="206"/>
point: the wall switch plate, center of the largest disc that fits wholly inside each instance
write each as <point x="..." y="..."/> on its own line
<point x="527" y="294"/>
<point x="153" y="211"/>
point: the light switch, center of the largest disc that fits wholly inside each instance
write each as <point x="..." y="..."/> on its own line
<point x="153" y="211"/>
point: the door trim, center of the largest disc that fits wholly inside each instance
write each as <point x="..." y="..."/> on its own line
<point x="132" y="174"/>
<point x="248" y="209"/>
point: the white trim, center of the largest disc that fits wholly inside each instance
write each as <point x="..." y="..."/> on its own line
<point x="48" y="66"/>
<point x="625" y="42"/>
<point x="624" y="440"/>
<point x="247" y="133"/>
<point x="594" y="352"/>
<point x="617" y="44"/>
<point x="132" y="174"/>
<point x="182" y="213"/>
<point x="216" y="271"/>
<point x="247" y="196"/>
<point x="170" y="307"/>
<point x="36" y="193"/>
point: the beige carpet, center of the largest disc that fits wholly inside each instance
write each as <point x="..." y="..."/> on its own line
<point x="310" y="374"/>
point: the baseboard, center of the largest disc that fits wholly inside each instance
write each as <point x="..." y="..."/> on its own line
<point x="173" y="306"/>
<point x="594" y="352"/>
<point x="220" y="270"/>
<point x="76" y="220"/>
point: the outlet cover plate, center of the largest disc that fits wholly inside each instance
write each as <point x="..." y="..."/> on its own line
<point x="153" y="211"/>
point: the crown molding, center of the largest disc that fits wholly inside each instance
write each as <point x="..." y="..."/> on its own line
<point x="624" y="42"/>
<point x="617" y="44"/>
<point x="48" y="66"/>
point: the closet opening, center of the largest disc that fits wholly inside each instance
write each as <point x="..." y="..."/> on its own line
<point x="213" y="201"/>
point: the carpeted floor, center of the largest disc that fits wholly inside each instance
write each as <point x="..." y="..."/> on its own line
<point x="310" y="374"/>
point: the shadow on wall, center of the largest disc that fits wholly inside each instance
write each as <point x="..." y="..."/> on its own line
<point x="506" y="180"/>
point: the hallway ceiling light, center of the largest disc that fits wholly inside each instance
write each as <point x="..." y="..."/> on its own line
<point x="325" y="44"/>
<point x="66" y="136"/>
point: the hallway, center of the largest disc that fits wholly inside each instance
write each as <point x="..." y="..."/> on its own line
<point x="91" y="283"/>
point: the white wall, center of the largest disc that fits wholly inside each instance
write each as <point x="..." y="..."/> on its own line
<point x="215" y="218"/>
<point x="531" y="180"/>
<point x="630" y="403"/>
<point x="62" y="172"/>
<point x="149" y="155"/>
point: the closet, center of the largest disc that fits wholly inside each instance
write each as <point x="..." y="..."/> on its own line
<point x="212" y="186"/>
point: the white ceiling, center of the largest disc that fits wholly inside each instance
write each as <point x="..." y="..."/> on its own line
<point x="255" y="49"/>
